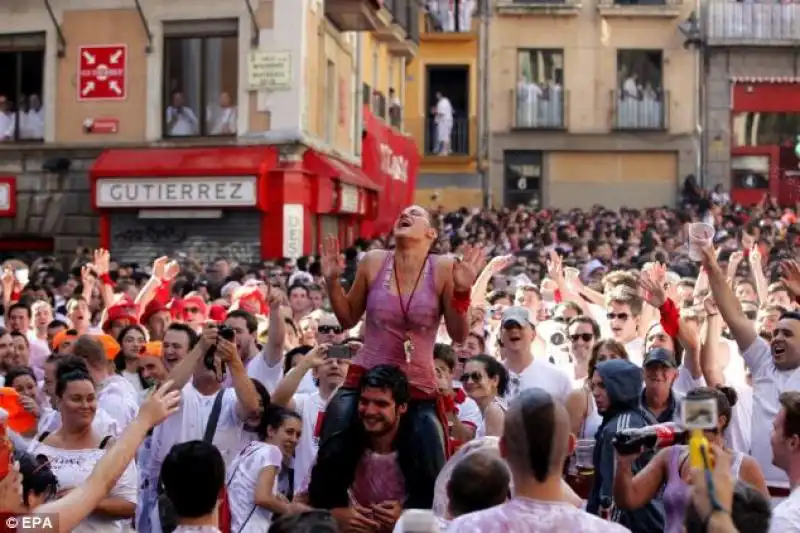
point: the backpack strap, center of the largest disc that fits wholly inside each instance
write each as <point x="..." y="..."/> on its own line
<point x="213" y="419"/>
<point x="104" y="442"/>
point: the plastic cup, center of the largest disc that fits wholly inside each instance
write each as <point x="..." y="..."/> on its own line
<point x="584" y="455"/>
<point x="700" y="236"/>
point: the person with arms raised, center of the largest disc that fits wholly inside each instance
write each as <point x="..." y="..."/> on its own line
<point x="405" y="293"/>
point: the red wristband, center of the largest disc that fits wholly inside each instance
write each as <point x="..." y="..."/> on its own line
<point x="15" y="296"/>
<point x="105" y="279"/>
<point x="461" y="302"/>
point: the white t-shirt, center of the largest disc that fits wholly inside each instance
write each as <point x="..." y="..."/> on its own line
<point x="246" y="516"/>
<point x="270" y="376"/>
<point x="103" y="423"/>
<point x="311" y="408"/>
<point x="786" y="516"/>
<point x="117" y="397"/>
<point x="635" y="349"/>
<point x="541" y="374"/>
<point x="768" y="384"/>
<point x="73" y="467"/>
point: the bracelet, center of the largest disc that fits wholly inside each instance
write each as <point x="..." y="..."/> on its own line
<point x="461" y="302"/>
<point x="105" y="279"/>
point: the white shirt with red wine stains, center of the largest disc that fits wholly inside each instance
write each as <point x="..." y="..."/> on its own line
<point x="523" y="515"/>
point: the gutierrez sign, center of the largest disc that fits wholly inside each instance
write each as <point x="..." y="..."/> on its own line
<point x="176" y="192"/>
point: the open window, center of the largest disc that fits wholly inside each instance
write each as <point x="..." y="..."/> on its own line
<point x="640" y="101"/>
<point x="448" y="123"/>
<point x="21" y="84"/>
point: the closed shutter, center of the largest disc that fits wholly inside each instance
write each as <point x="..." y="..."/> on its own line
<point x="236" y="236"/>
<point x="329" y="226"/>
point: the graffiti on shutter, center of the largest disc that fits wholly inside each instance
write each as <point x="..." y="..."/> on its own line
<point x="235" y="236"/>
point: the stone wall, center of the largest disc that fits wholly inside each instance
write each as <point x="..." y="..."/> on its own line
<point x="51" y="205"/>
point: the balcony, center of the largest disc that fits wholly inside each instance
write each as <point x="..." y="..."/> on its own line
<point x="462" y="134"/>
<point x="734" y="24"/>
<point x="552" y="8"/>
<point x="393" y="16"/>
<point x="354" y="15"/>
<point x="546" y="112"/>
<point x="640" y="8"/>
<point x="449" y="16"/>
<point x="408" y="47"/>
<point x="645" y="114"/>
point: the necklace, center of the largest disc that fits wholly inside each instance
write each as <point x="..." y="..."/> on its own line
<point x="408" y="344"/>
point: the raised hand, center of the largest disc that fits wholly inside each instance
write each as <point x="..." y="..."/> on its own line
<point x="171" y="270"/>
<point x="653" y="290"/>
<point x="101" y="260"/>
<point x="160" y="404"/>
<point x="160" y="267"/>
<point x="710" y="306"/>
<point x="466" y="271"/>
<point x="499" y="263"/>
<point x="555" y="267"/>
<point x="790" y="275"/>
<point x="332" y="260"/>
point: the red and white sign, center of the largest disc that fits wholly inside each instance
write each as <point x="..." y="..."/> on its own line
<point x="102" y="72"/>
<point x="101" y="125"/>
<point x="8" y="196"/>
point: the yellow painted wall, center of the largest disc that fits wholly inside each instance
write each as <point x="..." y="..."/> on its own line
<point x="324" y="43"/>
<point x="590" y="63"/>
<point x="377" y="74"/>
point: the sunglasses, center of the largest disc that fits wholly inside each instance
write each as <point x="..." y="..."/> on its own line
<point x="192" y="310"/>
<point x="471" y="376"/>
<point x="336" y="330"/>
<point x="585" y="337"/>
<point x="622" y="316"/>
<point x="751" y="315"/>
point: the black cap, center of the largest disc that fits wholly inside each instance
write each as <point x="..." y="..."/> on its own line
<point x="660" y="355"/>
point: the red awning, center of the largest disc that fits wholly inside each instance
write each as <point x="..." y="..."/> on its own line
<point x="185" y="162"/>
<point x="333" y="168"/>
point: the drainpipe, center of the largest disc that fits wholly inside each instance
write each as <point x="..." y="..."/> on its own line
<point x="483" y="101"/>
<point x="359" y="80"/>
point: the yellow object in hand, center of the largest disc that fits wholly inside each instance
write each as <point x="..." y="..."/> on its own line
<point x="699" y="456"/>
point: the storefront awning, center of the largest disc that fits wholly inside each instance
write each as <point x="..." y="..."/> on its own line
<point x="185" y="162"/>
<point x="333" y="168"/>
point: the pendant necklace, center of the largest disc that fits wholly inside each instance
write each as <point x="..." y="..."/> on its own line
<point x="408" y="344"/>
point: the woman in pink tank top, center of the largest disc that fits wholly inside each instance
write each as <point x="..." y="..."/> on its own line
<point x="405" y="293"/>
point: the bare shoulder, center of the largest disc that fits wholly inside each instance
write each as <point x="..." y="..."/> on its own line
<point x="371" y="263"/>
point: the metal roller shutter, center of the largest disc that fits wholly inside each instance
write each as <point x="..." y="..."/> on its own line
<point x="235" y="236"/>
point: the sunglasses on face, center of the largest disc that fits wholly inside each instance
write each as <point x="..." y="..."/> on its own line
<point x="335" y="330"/>
<point x="472" y="376"/>
<point x="751" y="315"/>
<point x="622" y="316"/>
<point x="585" y="337"/>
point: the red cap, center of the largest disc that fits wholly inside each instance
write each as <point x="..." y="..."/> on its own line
<point x="217" y="313"/>
<point x="118" y="312"/>
<point x="152" y="308"/>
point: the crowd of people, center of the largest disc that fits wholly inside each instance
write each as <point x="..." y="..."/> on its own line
<point x="471" y="372"/>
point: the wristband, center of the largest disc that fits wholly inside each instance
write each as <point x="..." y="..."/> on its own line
<point x="105" y="279"/>
<point x="461" y="302"/>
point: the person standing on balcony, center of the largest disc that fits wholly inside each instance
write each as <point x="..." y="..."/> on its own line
<point x="444" y="123"/>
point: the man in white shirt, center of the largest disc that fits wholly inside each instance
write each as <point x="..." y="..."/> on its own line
<point x="239" y="404"/>
<point x="32" y="125"/>
<point x="181" y="120"/>
<point x="623" y="312"/>
<point x="775" y="367"/>
<point x="517" y="333"/>
<point x="444" y="123"/>
<point x="8" y="120"/>
<point x="785" y="440"/>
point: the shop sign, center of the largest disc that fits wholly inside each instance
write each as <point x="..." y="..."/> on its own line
<point x="348" y="202"/>
<point x="176" y="192"/>
<point x="393" y="165"/>
<point x="293" y="230"/>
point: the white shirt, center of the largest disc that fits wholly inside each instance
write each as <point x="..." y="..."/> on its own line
<point x="246" y="516"/>
<point x="270" y="376"/>
<point x="224" y="121"/>
<point x="117" y="397"/>
<point x="786" y="516"/>
<point x="73" y="467"/>
<point x="186" y="123"/>
<point x="311" y="408"/>
<point x="768" y="384"/>
<point x="8" y="123"/>
<point x="635" y="349"/>
<point x="541" y="374"/>
<point x="32" y="124"/>
<point x="444" y="109"/>
<point x="103" y="423"/>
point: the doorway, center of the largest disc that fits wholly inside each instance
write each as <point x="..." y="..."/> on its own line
<point x="452" y="81"/>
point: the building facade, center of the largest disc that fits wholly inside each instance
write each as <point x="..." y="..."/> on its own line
<point x="447" y="64"/>
<point x="590" y="102"/>
<point x="752" y="98"/>
<point x="214" y="119"/>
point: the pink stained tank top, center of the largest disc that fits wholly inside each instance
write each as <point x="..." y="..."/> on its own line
<point x="385" y="327"/>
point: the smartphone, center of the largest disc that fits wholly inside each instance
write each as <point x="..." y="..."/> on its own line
<point x="339" y="351"/>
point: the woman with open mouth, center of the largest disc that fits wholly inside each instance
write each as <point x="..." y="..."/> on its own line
<point x="405" y="293"/>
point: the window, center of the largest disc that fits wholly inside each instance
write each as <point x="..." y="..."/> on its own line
<point x="539" y="96"/>
<point x="761" y="129"/>
<point x="201" y="73"/>
<point x="450" y="15"/>
<point x="366" y="95"/>
<point x="21" y="84"/>
<point x="330" y="102"/>
<point x="379" y="104"/>
<point x="639" y="98"/>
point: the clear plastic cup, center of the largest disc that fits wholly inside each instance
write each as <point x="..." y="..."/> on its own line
<point x="584" y="456"/>
<point x="700" y="236"/>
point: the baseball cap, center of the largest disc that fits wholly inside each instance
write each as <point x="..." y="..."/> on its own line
<point x="518" y="315"/>
<point x="660" y="355"/>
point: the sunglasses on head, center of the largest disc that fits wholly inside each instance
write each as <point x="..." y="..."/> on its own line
<point x="471" y="376"/>
<point x="585" y="337"/>
<point x="621" y="316"/>
<point x="329" y="329"/>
